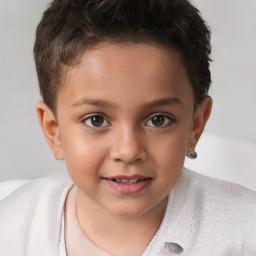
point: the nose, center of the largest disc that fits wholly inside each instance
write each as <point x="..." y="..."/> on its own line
<point x="128" y="146"/>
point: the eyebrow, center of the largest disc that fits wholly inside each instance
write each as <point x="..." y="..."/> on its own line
<point x="103" y="103"/>
<point x="94" y="102"/>
<point x="163" y="102"/>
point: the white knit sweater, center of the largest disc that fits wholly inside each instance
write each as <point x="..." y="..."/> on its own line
<point x="205" y="216"/>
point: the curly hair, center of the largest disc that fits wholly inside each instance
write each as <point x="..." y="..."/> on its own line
<point x="69" y="27"/>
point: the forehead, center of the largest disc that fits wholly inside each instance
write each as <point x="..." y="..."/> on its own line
<point x="129" y="70"/>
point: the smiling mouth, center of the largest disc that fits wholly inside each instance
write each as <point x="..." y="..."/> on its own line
<point x="128" y="185"/>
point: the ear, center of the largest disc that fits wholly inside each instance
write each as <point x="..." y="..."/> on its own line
<point x="201" y="115"/>
<point x="50" y="129"/>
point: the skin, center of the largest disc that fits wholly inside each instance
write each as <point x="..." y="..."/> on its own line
<point x="128" y="85"/>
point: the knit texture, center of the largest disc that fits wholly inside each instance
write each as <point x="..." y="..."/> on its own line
<point x="204" y="216"/>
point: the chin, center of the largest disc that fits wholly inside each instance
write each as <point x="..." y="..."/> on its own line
<point x="130" y="210"/>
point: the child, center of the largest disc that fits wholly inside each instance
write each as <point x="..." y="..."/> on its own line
<point x="124" y="87"/>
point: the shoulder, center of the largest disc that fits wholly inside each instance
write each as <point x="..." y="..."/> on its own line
<point x="32" y="212"/>
<point x="208" y="216"/>
<point x="33" y="194"/>
<point x="26" y="191"/>
<point x="226" y="212"/>
<point x="219" y="199"/>
<point x="215" y="191"/>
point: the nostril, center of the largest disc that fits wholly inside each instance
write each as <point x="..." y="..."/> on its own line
<point x="129" y="156"/>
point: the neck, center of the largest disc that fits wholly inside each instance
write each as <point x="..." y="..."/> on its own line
<point x="115" y="234"/>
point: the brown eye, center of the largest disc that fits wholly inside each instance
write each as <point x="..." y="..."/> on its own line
<point x="159" y="121"/>
<point x="96" y="121"/>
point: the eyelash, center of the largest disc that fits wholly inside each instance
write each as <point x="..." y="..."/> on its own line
<point x="167" y="120"/>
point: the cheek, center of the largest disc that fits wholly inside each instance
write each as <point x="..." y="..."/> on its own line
<point x="169" y="153"/>
<point x="83" y="155"/>
<point x="171" y="147"/>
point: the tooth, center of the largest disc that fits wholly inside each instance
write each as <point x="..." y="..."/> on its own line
<point x="133" y="180"/>
<point x="127" y="181"/>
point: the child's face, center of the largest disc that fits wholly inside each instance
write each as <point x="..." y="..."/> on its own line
<point x="125" y="113"/>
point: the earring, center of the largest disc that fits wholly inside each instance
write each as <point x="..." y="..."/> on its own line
<point x="192" y="155"/>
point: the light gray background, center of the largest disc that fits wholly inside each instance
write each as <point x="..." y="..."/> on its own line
<point x="23" y="150"/>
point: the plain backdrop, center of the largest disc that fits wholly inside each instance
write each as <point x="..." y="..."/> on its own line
<point x="23" y="150"/>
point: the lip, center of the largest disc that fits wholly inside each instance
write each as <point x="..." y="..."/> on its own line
<point x="128" y="177"/>
<point x="128" y="189"/>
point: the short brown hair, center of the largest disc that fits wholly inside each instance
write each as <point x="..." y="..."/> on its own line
<point x="69" y="27"/>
